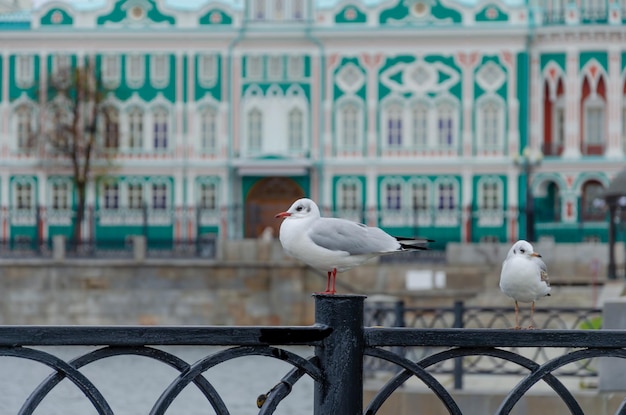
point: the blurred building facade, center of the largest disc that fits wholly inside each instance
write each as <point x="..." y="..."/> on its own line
<point x="405" y="114"/>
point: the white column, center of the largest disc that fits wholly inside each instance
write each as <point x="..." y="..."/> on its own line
<point x="572" y="106"/>
<point x="536" y="138"/>
<point x="614" y="106"/>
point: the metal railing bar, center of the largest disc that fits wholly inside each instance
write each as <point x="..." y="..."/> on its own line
<point x="411" y="368"/>
<point x="398" y="336"/>
<point x="86" y="387"/>
<point x="171" y="360"/>
<point x="275" y="395"/>
<point x="399" y="378"/>
<point x="525" y="384"/>
<point x="11" y="336"/>
<point x="174" y="389"/>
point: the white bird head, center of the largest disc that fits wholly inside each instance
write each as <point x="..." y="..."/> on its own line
<point x="522" y="248"/>
<point x="301" y="208"/>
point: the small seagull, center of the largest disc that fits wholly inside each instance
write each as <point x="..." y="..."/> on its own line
<point x="335" y="245"/>
<point x="524" y="277"/>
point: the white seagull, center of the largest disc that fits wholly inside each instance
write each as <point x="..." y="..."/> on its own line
<point x="524" y="277"/>
<point x="335" y="245"/>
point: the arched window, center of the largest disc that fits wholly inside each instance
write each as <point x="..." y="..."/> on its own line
<point x="594" y="118"/>
<point x="419" y="117"/>
<point x="490" y="125"/>
<point x="24" y="195"/>
<point x="255" y="130"/>
<point x="24" y="130"/>
<point x="350" y="126"/>
<point x="160" y="123"/>
<point x="393" y="114"/>
<point x="295" y="130"/>
<point x="135" y="128"/>
<point x="111" y="128"/>
<point x="420" y="201"/>
<point x="392" y="202"/>
<point x="591" y="191"/>
<point x="446" y="128"/>
<point x="446" y="202"/>
<point x="349" y="192"/>
<point x="208" y="129"/>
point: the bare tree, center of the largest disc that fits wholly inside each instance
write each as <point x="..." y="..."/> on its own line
<point x="78" y="130"/>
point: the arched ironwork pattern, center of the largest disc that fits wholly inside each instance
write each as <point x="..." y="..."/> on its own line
<point x="341" y="342"/>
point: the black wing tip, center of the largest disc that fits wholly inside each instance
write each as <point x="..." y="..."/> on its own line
<point x="414" y="247"/>
<point x="416" y="239"/>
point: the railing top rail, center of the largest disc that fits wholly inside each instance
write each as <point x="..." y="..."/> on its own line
<point x="11" y="336"/>
<point x="399" y="336"/>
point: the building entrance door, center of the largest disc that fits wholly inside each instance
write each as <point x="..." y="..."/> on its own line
<point x="265" y="199"/>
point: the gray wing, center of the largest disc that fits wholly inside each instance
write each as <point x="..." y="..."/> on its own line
<point x="351" y="237"/>
<point x="543" y="269"/>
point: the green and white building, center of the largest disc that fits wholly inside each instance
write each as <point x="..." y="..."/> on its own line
<point x="406" y="114"/>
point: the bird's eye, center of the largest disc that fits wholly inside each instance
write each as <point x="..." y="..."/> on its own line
<point x="299" y="208"/>
<point x="522" y="250"/>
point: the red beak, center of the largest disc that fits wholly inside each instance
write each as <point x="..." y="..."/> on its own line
<point x="282" y="215"/>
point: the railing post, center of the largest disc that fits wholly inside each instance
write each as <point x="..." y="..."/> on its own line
<point x="399" y="312"/>
<point x="340" y="355"/>
<point x="459" y="309"/>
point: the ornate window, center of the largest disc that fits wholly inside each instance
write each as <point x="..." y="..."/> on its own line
<point x="135" y="70"/>
<point x="258" y="10"/>
<point x="24" y="70"/>
<point x="255" y="130"/>
<point x="135" y="195"/>
<point x="24" y="127"/>
<point x="279" y="10"/>
<point x="298" y="9"/>
<point x="393" y="196"/>
<point x="135" y="128"/>
<point x="420" y="200"/>
<point x="110" y="69"/>
<point x="394" y="125"/>
<point x="295" y="67"/>
<point x="558" y="129"/>
<point x="207" y="69"/>
<point x="159" y="70"/>
<point x="591" y="191"/>
<point x="111" y="128"/>
<point x="350" y="126"/>
<point x="254" y="67"/>
<point x="446" y="202"/>
<point x="594" y="121"/>
<point x="275" y="67"/>
<point x="295" y="129"/>
<point x="392" y="203"/>
<point x="61" y="66"/>
<point x="61" y="195"/>
<point x="24" y="195"/>
<point x="111" y="195"/>
<point x="208" y="196"/>
<point x="445" y="126"/>
<point x="490" y="125"/>
<point x="160" y="122"/>
<point x="419" y="117"/>
<point x="349" y="192"/>
<point x="159" y="196"/>
<point x="208" y="129"/>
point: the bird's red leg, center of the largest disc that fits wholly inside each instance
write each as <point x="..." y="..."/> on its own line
<point x="532" y="316"/>
<point x="328" y="282"/>
<point x="517" y="326"/>
<point x="334" y="279"/>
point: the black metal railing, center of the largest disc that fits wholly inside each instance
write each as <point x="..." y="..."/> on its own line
<point x="462" y="316"/>
<point x="340" y="341"/>
<point x="203" y="247"/>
